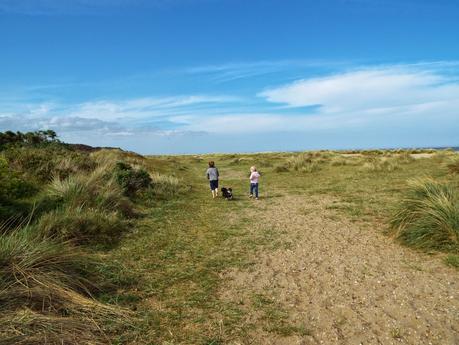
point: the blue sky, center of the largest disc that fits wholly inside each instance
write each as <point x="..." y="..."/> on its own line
<point x="186" y="76"/>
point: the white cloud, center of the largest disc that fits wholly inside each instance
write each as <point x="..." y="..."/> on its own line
<point x="369" y="90"/>
<point x="113" y="117"/>
<point x="413" y="96"/>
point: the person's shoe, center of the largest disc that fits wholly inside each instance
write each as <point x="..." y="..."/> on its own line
<point x="257" y="199"/>
<point x="250" y="196"/>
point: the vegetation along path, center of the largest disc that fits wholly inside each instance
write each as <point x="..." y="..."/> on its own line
<point x="307" y="264"/>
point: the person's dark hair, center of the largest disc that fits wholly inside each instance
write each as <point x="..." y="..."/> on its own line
<point x="211" y="164"/>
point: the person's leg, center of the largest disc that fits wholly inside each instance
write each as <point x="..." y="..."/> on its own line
<point x="256" y="190"/>
<point x="212" y="188"/>
<point x="251" y="190"/>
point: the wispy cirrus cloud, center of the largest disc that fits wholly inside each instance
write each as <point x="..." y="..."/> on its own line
<point x="230" y="72"/>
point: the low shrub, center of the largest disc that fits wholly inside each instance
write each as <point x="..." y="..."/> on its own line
<point x="12" y="186"/>
<point x="13" y="189"/>
<point x="82" y="226"/>
<point x="131" y="180"/>
<point x="428" y="216"/>
<point x="304" y="162"/>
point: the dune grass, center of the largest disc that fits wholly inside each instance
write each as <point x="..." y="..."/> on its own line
<point x="304" y="163"/>
<point x="428" y="216"/>
<point x="166" y="261"/>
<point x="454" y="167"/>
<point x="48" y="281"/>
<point x="82" y="226"/>
<point x="45" y="292"/>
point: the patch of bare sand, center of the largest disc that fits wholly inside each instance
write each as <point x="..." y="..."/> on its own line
<point x="346" y="283"/>
<point x="422" y="155"/>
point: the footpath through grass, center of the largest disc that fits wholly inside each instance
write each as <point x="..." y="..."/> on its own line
<point x="176" y="256"/>
<point x="178" y="251"/>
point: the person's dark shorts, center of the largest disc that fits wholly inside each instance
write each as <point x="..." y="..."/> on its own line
<point x="213" y="184"/>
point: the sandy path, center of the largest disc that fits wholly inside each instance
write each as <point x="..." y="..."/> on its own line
<point x="345" y="283"/>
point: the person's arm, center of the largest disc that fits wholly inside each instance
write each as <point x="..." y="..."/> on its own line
<point x="218" y="173"/>
<point x="207" y="174"/>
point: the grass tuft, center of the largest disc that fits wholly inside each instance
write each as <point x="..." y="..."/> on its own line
<point x="82" y="226"/>
<point x="428" y="216"/>
<point x="304" y="163"/>
<point x="380" y="165"/>
<point x="165" y="186"/>
<point x="45" y="293"/>
<point x="452" y="260"/>
<point x="454" y="167"/>
<point x="280" y="168"/>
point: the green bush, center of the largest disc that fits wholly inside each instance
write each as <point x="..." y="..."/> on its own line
<point x="130" y="179"/>
<point x="13" y="189"/>
<point x="11" y="185"/>
<point x="428" y="216"/>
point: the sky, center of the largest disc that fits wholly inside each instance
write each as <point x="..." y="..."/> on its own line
<point x="203" y="76"/>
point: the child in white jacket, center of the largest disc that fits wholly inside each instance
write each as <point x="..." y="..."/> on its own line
<point x="254" y="176"/>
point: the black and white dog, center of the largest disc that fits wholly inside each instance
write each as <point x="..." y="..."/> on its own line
<point x="227" y="193"/>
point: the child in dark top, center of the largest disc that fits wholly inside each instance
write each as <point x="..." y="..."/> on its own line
<point x="212" y="175"/>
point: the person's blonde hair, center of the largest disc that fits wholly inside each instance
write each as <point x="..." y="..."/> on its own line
<point x="253" y="168"/>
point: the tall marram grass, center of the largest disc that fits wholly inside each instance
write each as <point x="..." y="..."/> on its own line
<point x="304" y="163"/>
<point x="165" y="186"/>
<point x="380" y="165"/>
<point x="454" y="167"/>
<point x="428" y="216"/>
<point x="45" y="293"/>
<point x="95" y="190"/>
<point x="82" y="226"/>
